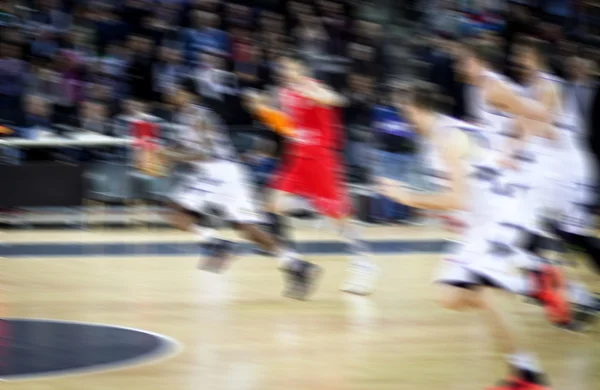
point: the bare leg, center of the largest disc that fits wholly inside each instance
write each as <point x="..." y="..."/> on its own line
<point x="504" y="327"/>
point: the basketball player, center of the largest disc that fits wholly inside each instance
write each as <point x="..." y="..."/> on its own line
<point x="486" y="197"/>
<point x="310" y="167"/>
<point x="562" y="175"/>
<point x="511" y="119"/>
<point x="218" y="181"/>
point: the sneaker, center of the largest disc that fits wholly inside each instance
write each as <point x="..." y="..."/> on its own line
<point x="301" y="279"/>
<point x="219" y="255"/>
<point x="517" y="384"/>
<point x="362" y="279"/>
<point x="549" y="288"/>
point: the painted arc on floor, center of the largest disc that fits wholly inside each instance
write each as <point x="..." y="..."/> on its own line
<point x="38" y="348"/>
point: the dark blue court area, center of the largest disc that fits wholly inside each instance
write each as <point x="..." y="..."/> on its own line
<point x="33" y="348"/>
<point x="187" y="249"/>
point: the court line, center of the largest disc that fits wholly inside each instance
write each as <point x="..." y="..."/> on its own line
<point x="193" y="249"/>
<point x="170" y="348"/>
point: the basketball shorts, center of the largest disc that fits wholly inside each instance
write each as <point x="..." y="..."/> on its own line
<point x="480" y="261"/>
<point x="318" y="179"/>
<point x="223" y="186"/>
<point x="545" y="200"/>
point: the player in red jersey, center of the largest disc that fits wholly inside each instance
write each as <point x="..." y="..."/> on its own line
<point x="310" y="167"/>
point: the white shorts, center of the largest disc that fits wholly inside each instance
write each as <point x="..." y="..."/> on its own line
<point x="468" y="269"/>
<point x="221" y="185"/>
<point x="487" y="257"/>
<point x="545" y="198"/>
<point x="577" y="217"/>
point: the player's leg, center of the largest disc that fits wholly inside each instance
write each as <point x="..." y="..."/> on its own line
<point x="461" y="289"/>
<point x="277" y="220"/>
<point x="329" y="196"/>
<point x="239" y="207"/>
<point x="186" y="205"/>
<point x="547" y="282"/>
<point x="362" y="271"/>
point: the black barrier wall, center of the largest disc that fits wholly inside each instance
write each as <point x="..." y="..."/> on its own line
<point x="41" y="184"/>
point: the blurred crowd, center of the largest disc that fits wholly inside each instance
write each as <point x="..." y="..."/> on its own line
<point x="74" y="62"/>
<point x="92" y="66"/>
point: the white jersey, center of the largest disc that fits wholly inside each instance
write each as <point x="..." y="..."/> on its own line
<point x="485" y="253"/>
<point x="214" y="141"/>
<point x="580" y="183"/>
<point x="574" y="130"/>
<point x="545" y="152"/>
<point x="493" y="195"/>
<point x="218" y="182"/>
<point x="493" y="121"/>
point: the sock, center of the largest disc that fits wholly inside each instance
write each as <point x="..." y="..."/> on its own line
<point x="358" y="247"/>
<point x="526" y="365"/>
<point x="205" y="234"/>
<point x="287" y="258"/>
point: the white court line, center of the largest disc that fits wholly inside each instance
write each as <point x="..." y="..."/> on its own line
<point x="170" y="347"/>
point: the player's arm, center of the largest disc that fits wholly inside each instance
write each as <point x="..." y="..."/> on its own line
<point x="323" y="95"/>
<point x="271" y="117"/>
<point x="504" y="98"/>
<point x="451" y="199"/>
<point x="550" y="99"/>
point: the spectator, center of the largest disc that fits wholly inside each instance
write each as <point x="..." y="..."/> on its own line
<point x="70" y="88"/>
<point x="337" y="26"/>
<point x="219" y="88"/>
<point x="8" y="16"/>
<point x="94" y="118"/>
<point x="50" y="16"/>
<point x="366" y="48"/>
<point x="13" y="81"/>
<point x="134" y="12"/>
<point x="38" y="123"/>
<point x="167" y="71"/>
<point x="45" y="44"/>
<point x="247" y="67"/>
<point x="140" y="67"/>
<point x="396" y="157"/>
<point x="357" y="117"/>
<point x="205" y="37"/>
<point x="237" y="15"/>
<point x="109" y="29"/>
<point x="38" y="117"/>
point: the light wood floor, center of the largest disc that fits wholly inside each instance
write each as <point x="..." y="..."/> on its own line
<point x="238" y="333"/>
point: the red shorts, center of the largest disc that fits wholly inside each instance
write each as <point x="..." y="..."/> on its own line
<point x="319" y="180"/>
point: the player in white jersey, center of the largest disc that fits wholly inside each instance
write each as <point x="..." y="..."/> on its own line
<point x="563" y="179"/>
<point x="485" y="196"/>
<point x="511" y="118"/>
<point x="217" y="180"/>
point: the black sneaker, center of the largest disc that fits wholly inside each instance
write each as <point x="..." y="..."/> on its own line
<point x="300" y="278"/>
<point x="218" y="257"/>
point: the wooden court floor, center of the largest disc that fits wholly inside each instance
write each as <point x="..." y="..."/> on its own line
<point x="236" y="332"/>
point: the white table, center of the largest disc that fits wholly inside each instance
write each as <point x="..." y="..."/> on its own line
<point x="75" y="140"/>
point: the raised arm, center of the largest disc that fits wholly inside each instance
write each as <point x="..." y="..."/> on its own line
<point x="503" y="97"/>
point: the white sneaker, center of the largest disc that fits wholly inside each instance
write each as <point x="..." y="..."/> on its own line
<point x="362" y="279"/>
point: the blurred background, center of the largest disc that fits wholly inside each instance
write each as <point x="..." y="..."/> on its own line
<point x="79" y="79"/>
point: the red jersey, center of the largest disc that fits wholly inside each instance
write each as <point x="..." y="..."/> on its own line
<point x="315" y="126"/>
